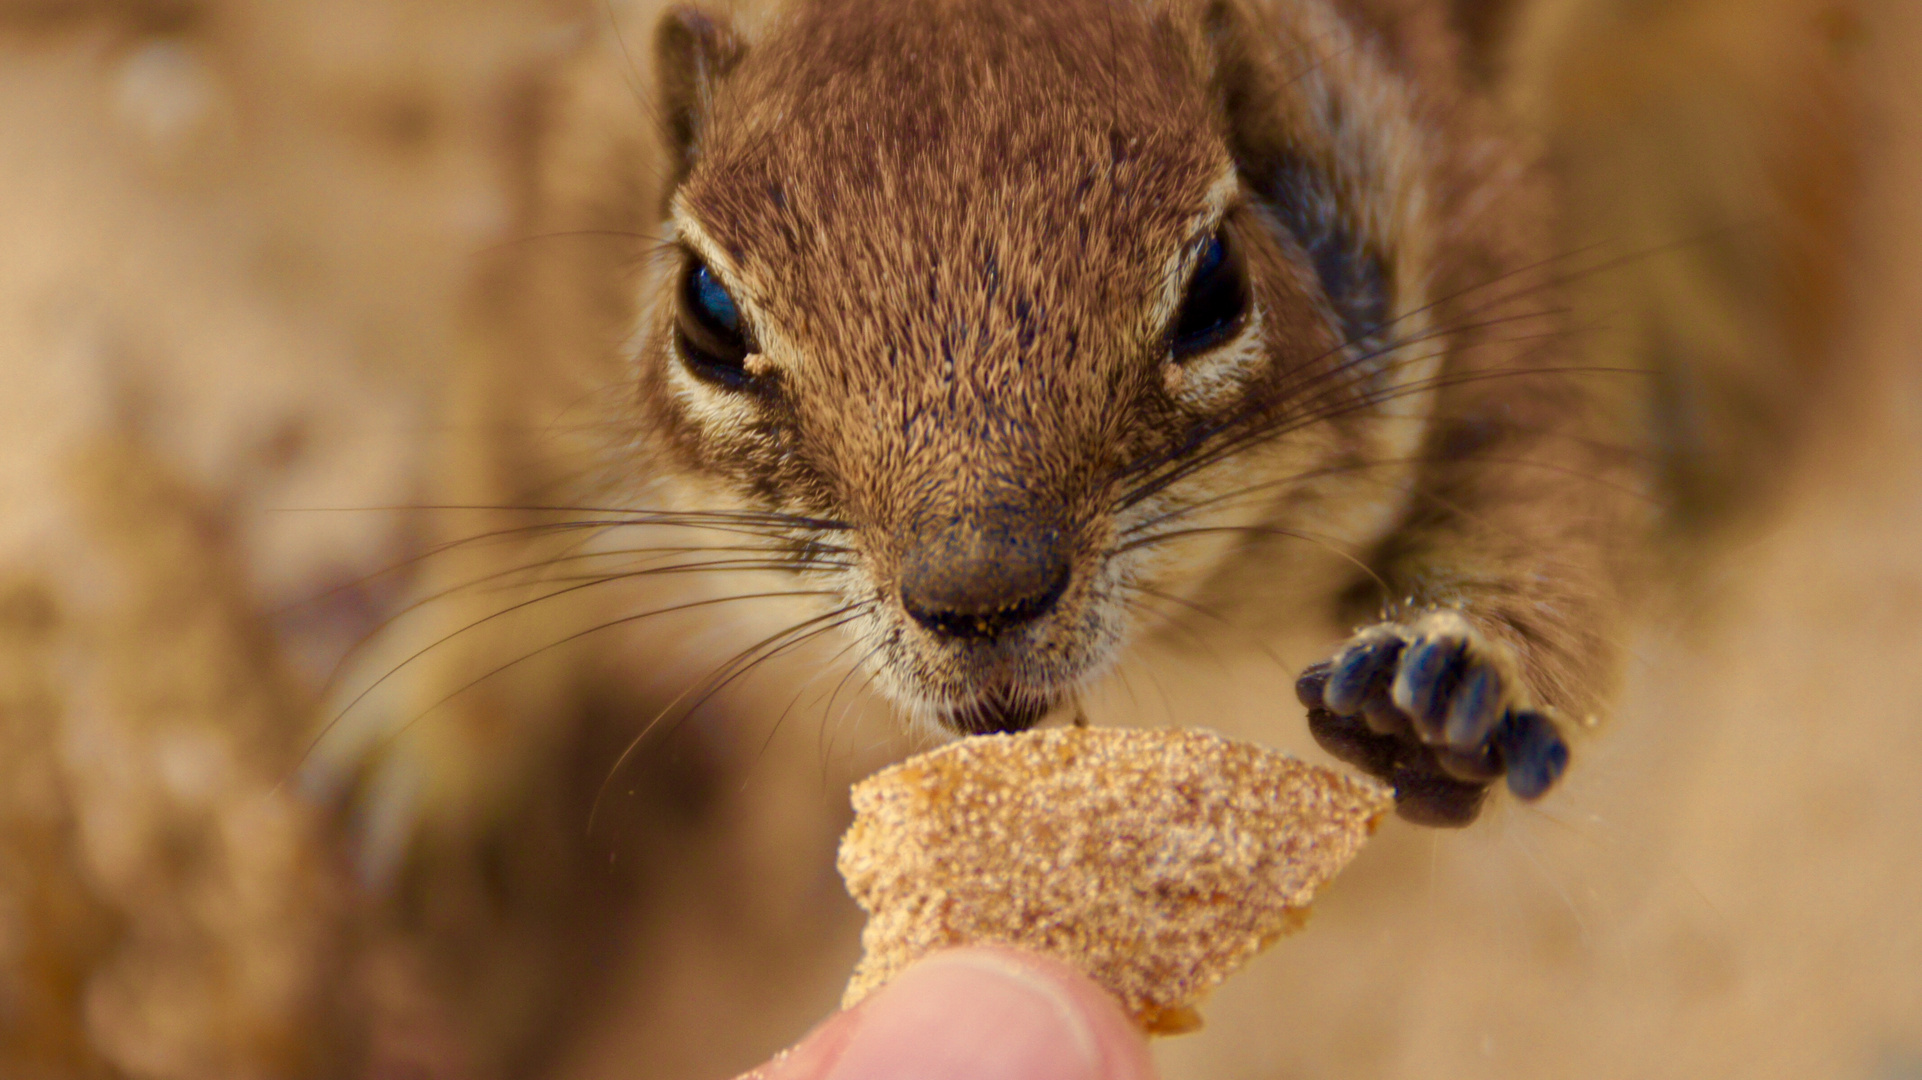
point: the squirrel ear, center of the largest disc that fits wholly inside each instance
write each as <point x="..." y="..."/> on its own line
<point x="1291" y="162"/>
<point x="1240" y="83"/>
<point x="693" y="51"/>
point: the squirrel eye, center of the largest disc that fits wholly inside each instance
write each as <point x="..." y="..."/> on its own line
<point x="712" y="339"/>
<point x="1216" y="302"/>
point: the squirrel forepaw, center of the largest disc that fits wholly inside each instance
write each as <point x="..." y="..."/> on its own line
<point x="1434" y="707"/>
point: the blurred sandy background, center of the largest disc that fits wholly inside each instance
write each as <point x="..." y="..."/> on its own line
<point x="251" y="259"/>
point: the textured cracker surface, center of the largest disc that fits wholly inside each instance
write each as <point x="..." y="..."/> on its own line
<point x="1156" y="861"/>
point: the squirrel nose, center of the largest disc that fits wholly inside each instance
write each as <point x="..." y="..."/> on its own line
<point x="968" y="586"/>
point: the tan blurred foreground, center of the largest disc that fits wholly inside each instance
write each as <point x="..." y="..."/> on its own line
<point x="252" y="265"/>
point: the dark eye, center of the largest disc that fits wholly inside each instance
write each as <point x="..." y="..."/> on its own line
<point x="712" y="337"/>
<point x="1216" y="302"/>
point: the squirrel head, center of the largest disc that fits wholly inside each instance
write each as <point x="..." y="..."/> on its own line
<point x="1033" y="308"/>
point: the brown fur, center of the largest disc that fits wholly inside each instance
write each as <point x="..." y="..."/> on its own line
<point x="956" y="229"/>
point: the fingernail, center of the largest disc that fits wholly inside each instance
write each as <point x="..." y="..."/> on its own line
<point x="968" y="1015"/>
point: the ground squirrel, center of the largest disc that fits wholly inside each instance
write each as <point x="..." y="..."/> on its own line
<point x="1004" y="319"/>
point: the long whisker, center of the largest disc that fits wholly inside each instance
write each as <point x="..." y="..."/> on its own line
<point x="841" y="613"/>
<point x="608" y="625"/>
<point x="797" y="643"/>
<point x="794" y="521"/>
<point x="801" y="692"/>
<point x="589" y="583"/>
<point x="1138" y="603"/>
<point x="1181" y="453"/>
<point x="773" y="553"/>
<point x="721" y="521"/>
<point x="1259" y="530"/>
<point x="1602" y="267"/>
<point x="824" y="752"/>
<point x="1365" y="356"/>
<point x="1259" y="436"/>
<point x="1256" y="424"/>
<point x="710" y="566"/>
<point x="1233" y="497"/>
<point x="805" y="549"/>
<point x="1258" y="641"/>
<point x="1361" y="362"/>
<point x="799" y="560"/>
<point x="1171" y="598"/>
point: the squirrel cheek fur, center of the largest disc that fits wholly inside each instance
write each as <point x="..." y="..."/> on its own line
<point x="955" y="240"/>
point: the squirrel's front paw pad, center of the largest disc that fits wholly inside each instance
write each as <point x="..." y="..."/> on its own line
<point x="1431" y="706"/>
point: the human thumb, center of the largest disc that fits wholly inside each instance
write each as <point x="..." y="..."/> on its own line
<point x="974" y="1014"/>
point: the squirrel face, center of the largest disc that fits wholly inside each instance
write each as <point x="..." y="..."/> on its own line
<point x="990" y="291"/>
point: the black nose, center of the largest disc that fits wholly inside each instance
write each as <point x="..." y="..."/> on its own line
<point x="972" y="585"/>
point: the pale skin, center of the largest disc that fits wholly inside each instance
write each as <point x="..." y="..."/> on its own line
<point x="968" y="1014"/>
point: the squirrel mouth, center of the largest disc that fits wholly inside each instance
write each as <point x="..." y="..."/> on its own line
<point x="1002" y="710"/>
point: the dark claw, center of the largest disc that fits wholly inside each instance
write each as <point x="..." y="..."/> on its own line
<point x="1427" y="681"/>
<point x="1383" y="718"/>
<point x="1477" y="706"/>
<point x="1359" y="672"/>
<point x="1482" y="765"/>
<point x="1309" y="687"/>
<point x="1430" y="799"/>
<point x="1535" y="752"/>
<point x="1426" y="716"/>
<point x="1349" y="739"/>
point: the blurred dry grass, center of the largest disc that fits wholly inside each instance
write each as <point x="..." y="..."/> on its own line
<point x="250" y="248"/>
